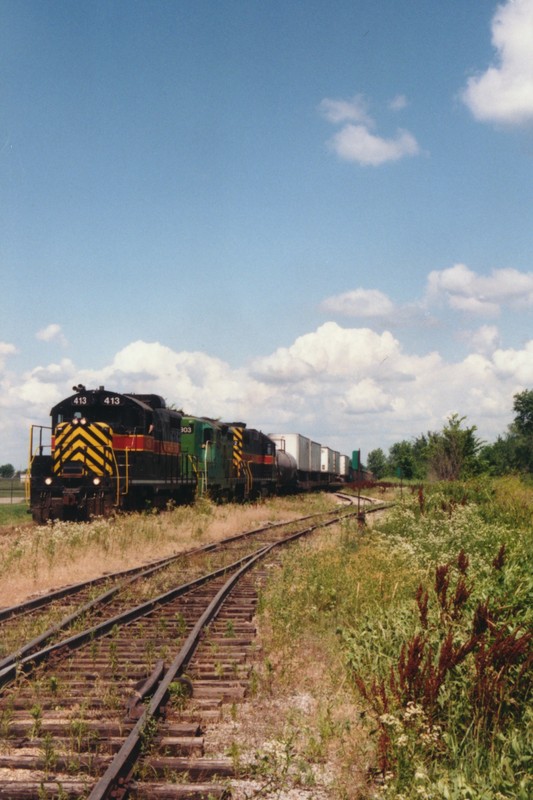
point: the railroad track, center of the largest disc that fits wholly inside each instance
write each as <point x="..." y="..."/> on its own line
<point x="26" y="628"/>
<point x="105" y="712"/>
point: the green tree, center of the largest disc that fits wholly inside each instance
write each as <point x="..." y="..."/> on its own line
<point x="420" y="456"/>
<point x="521" y="431"/>
<point x="453" y="452"/>
<point x="377" y="462"/>
<point x="499" y="457"/>
<point x="401" y="461"/>
<point x="523" y="408"/>
<point x="7" y="471"/>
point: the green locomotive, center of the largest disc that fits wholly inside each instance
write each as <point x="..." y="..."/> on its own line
<point x="229" y="461"/>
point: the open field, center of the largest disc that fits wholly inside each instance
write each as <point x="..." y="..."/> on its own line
<point x="11" y="490"/>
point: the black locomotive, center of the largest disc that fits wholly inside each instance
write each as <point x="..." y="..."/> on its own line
<point x="107" y="451"/>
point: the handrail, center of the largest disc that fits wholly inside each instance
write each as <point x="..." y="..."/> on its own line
<point x="197" y="473"/>
<point x="27" y="482"/>
<point x="126" y="472"/>
<point x="32" y="456"/>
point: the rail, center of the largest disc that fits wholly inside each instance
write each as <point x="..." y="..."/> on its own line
<point x="79" y="592"/>
<point x="109" y="659"/>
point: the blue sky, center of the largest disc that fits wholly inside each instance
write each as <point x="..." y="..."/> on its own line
<point x="315" y="216"/>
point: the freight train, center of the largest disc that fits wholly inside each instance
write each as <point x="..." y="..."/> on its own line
<point x="106" y="451"/>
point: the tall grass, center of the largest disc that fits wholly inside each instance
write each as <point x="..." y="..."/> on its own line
<point x="14" y="514"/>
<point x="432" y="614"/>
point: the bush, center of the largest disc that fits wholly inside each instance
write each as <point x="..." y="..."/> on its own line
<point x="451" y="704"/>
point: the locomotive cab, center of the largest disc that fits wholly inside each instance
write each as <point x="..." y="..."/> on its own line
<point x="208" y="446"/>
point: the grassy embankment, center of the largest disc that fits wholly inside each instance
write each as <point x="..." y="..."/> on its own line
<point x="412" y="641"/>
<point x="12" y="505"/>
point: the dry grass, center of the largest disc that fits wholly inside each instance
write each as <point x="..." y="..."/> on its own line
<point x="35" y="559"/>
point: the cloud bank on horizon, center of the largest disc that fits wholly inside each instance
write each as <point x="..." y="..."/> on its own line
<point x="347" y="386"/>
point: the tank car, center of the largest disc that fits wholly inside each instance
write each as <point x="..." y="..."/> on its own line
<point x="107" y="451"/>
<point x="306" y="455"/>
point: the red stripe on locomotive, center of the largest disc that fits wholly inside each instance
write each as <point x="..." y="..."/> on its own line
<point x="255" y="458"/>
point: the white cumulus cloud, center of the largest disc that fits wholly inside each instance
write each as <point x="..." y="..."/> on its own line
<point x="485" y="339"/>
<point x="504" y="92"/>
<point x="465" y="290"/>
<point x="354" y="110"/>
<point x="357" y="142"/>
<point x="516" y="363"/>
<point x="365" y="397"/>
<point x="345" y="387"/>
<point x="398" y="103"/>
<point x="359" y="303"/>
<point x="331" y="351"/>
<point x="6" y="349"/>
<point x="52" y="333"/>
<point x="195" y="381"/>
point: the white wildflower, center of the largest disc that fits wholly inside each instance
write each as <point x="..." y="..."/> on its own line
<point x="390" y="721"/>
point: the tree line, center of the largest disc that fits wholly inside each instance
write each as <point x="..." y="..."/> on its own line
<point x="457" y="452"/>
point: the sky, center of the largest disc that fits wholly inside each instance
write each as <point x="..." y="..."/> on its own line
<point x="314" y="216"/>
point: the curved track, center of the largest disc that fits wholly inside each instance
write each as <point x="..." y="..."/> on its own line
<point x="101" y="715"/>
<point x="26" y="627"/>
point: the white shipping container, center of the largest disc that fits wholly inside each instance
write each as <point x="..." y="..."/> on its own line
<point x="314" y="464"/>
<point x="344" y="466"/>
<point x="336" y="462"/>
<point x="296" y="445"/>
<point x="327" y="460"/>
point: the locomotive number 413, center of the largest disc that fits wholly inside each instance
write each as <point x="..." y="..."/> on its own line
<point x="83" y="400"/>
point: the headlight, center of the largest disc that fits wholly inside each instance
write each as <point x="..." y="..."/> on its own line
<point x="75" y="421"/>
<point x="96" y="481"/>
<point x="83" y="421"/>
<point x="48" y="481"/>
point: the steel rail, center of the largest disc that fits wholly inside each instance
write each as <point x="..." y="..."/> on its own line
<point x="139" y="572"/>
<point x="27" y="663"/>
<point x="126" y="658"/>
<point x="135" y="575"/>
<point x="13" y="664"/>
<point x="125" y="759"/>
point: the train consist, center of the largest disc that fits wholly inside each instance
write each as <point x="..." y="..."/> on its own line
<point x="107" y="451"/>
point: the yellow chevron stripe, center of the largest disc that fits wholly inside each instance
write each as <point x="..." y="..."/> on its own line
<point x="91" y="445"/>
<point x="237" y="447"/>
